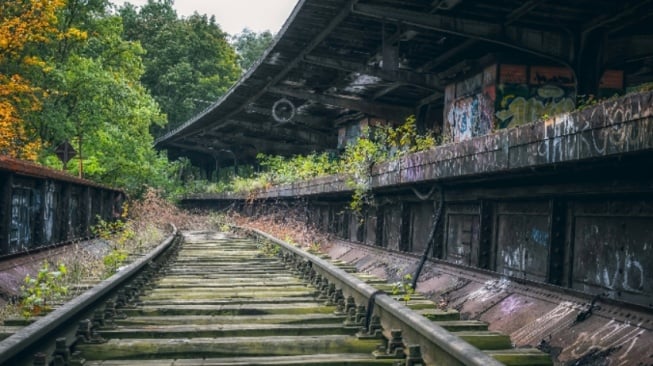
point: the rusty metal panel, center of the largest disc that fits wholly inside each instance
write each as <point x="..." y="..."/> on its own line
<point x="485" y="253"/>
<point x="371" y="220"/>
<point x="391" y="226"/>
<point x="49" y="211"/>
<point x="421" y="223"/>
<point x="356" y="228"/>
<point x="74" y="213"/>
<point x="463" y="232"/>
<point x="613" y="253"/>
<point x="20" y="231"/>
<point x="523" y="239"/>
<point x="462" y="239"/>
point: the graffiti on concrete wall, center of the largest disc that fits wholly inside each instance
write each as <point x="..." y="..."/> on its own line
<point x="549" y="91"/>
<point x="471" y="116"/>
<point x="469" y="106"/>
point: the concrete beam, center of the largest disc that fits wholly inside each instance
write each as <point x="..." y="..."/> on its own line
<point x="297" y="134"/>
<point x="365" y="106"/>
<point x="422" y="80"/>
<point x="557" y="45"/>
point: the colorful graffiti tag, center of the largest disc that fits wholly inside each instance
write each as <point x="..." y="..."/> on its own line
<point x="469" y="106"/>
<point x="521" y="99"/>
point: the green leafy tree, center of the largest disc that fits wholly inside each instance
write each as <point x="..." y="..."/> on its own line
<point x="250" y="46"/>
<point x="96" y="100"/>
<point x="188" y="64"/>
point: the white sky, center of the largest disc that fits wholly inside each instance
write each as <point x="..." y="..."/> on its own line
<point x="234" y="15"/>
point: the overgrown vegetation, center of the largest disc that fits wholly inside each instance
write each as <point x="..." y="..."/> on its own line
<point x="143" y="224"/>
<point x="39" y="292"/>
<point x="374" y="145"/>
<point x="404" y="288"/>
<point x="105" y="79"/>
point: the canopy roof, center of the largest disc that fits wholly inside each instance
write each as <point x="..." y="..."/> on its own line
<point x="335" y="61"/>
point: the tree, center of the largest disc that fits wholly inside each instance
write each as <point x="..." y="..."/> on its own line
<point x="96" y="100"/>
<point x="23" y="24"/>
<point x="250" y="46"/>
<point x="188" y="63"/>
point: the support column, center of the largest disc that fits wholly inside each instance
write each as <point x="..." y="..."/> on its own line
<point x="5" y="210"/>
<point x="485" y="259"/>
<point x="557" y="249"/>
<point x="589" y="64"/>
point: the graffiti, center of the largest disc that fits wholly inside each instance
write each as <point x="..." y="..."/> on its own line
<point x="609" y="275"/>
<point x="21" y="212"/>
<point x="470" y="117"/>
<point x="48" y="212"/>
<point x="560" y="317"/>
<point x="603" y="264"/>
<point x="541" y="237"/>
<point x="490" y="290"/>
<point x="513" y="304"/>
<point x="469" y="86"/>
<point x="514" y="109"/>
<point x="612" y="335"/>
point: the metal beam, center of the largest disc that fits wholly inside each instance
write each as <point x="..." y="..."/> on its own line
<point x="372" y="108"/>
<point x="386" y="90"/>
<point x="283" y="132"/>
<point x="422" y="80"/>
<point x="344" y="12"/>
<point x="267" y="146"/>
<point x="310" y="123"/>
<point x="335" y="21"/>
<point x="557" y="46"/>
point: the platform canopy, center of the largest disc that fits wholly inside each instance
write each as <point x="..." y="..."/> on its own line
<point x="338" y="61"/>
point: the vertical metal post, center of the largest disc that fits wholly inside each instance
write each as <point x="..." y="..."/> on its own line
<point x="557" y="250"/>
<point x="485" y="258"/>
<point x="5" y="210"/>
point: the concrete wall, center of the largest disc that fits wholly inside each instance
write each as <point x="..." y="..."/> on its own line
<point x="566" y="201"/>
<point x="598" y="243"/>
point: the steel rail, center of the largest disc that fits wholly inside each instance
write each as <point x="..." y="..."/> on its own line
<point x="29" y="336"/>
<point x="438" y="346"/>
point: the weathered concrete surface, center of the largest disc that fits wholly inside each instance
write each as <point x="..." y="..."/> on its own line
<point x="618" y="127"/>
<point x="543" y="318"/>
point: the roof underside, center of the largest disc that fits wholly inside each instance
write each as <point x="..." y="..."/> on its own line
<point x="337" y="60"/>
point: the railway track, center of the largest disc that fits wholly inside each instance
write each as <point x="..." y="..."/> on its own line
<point x="214" y="299"/>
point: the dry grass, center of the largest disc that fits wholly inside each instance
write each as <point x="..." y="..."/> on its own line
<point x="285" y="225"/>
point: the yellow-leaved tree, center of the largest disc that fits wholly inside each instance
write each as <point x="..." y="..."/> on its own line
<point x="23" y="23"/>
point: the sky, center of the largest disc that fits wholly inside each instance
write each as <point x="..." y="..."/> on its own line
<point x="233" y="16"/>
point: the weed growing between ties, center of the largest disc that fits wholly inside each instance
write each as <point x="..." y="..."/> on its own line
<point x="142" y="226"/>
<point x="404" y="288"/>
<point x="39" y="292"/>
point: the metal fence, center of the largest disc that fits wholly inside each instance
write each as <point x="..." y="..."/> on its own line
<point x="41" y="207"/>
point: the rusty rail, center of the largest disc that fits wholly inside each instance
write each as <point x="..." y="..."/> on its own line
<point x="40" y="336"/>
<point x="437" y="345"/>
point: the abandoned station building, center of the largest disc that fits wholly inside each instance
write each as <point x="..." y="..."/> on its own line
<point x="546" y="174"/>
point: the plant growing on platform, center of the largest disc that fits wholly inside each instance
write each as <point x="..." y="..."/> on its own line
<point x="404" y="288"/>
<point x="39" y="292"/>
<point x="403" y="139"/>
<point x="357" y="162"/>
